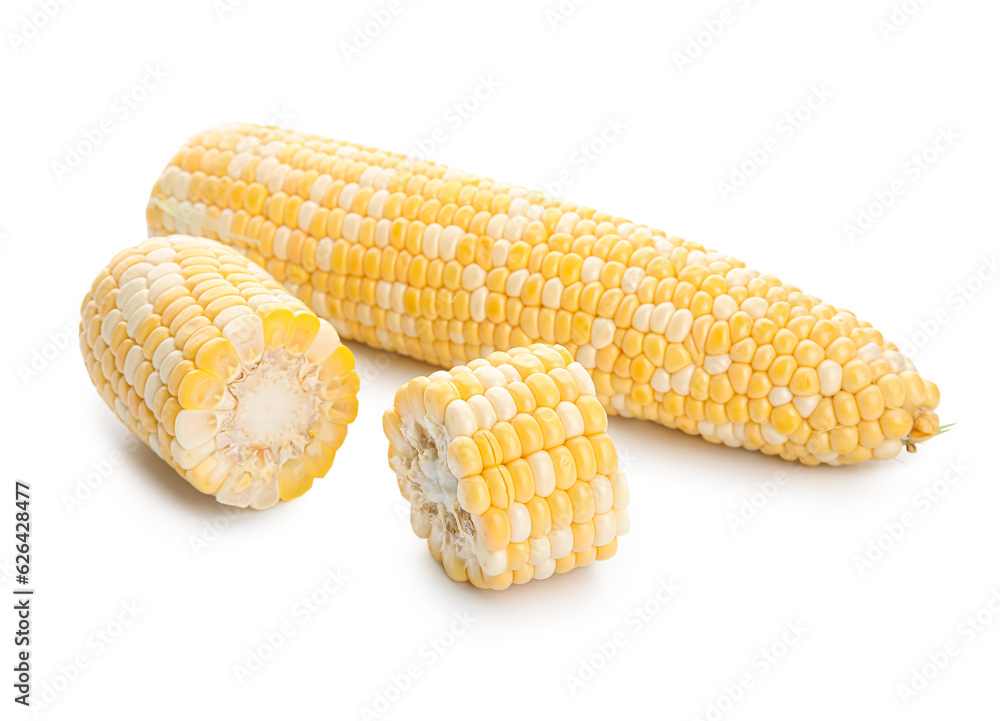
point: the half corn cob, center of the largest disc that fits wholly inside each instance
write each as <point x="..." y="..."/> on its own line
<point x="507" y="467"/>
<point x="228" y="378"/>
<point x="446" y="266"/>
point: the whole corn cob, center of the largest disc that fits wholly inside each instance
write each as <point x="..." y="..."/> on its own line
<point x="507" y="467"/>
<point x="446" y="267"/>
<point x="209" y="361"/>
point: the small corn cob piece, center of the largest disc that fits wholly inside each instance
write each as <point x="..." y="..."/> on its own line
<point x="446" y="266"/>
<point x="236" y="384"/>
<point x="507" y="467"/>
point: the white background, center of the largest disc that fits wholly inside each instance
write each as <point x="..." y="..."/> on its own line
<point x="207" y="599"/>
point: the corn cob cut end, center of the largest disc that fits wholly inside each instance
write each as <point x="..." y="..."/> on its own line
<point x="508" y="468"/>
<point x="243" y="390"/>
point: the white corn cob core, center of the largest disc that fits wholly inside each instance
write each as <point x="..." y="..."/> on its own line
<point x="446" y="266"/>
<point x="227" y="377"/>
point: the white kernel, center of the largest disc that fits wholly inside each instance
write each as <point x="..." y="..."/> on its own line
<point x="831" y="377"/>
<point x="450" y="238"/>
<point x="604" y="495"/>
<point x="317" y="190"/>
<point x="896" y="360"/>
<point x="552" y="293"/>
<point x="543" y="472"/>
<point x="382" y="228"/>
<point x="518" y="206"/>
<point x="779" y="396"/>
<point x="520" y="522"/>
<point x="281" y="242"/>
<point x="660" y="318"/>
<point x="489" y="376"/>
<point x="502" y="401"/>
<point x="324" y="251"/>
<point x="706" y="428"/>
<point x="724" y="306"/>
<point x="605" y="527"/>
<point x="869" y="352"/>
<point x="696" y="257"/>
<point x="515" y="226"/>
<point x="382" y="292"/>
<point x="680" y="381"/>
<point x="591" y="269"/>
<point x="583" y="380"/>
<point x="494" y="228"/>
<point x="276" y="177"/>
<point x="602" y="332"/>
<point x="132" y="360"/>
<point x="113" y="318"/>
<point x="570" y="416"/>
<point x="715" y="364"/>
<point x="539" y="550"/>
<point x="755" y="307"/>
<point x="586" y="355"/>
<point x="501" y="249"/>
<point x="771" y="435"/>
<point x="888" y="449"/>
<point x="561" y="540"/>
<point x="805" y="405"/>
<point x="473" y="276"/>
<point x="660" y="381"/>
<point x="430" y="243"/>
<point x="680" y="325"/>
<point x="640" y="319"/>
<point x="624" y="522"/>
<point x="515" y="283"/>
<point x="460" y="419"/>
<point x="477" y="304"/>
<point x="631" y="279"/>
<point x="486" y="416"/>
<point x="737" y="277"/>
<point x="567" y="222"/>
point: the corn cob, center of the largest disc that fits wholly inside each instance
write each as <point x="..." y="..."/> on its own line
<point x="507" y="467"/>
<point x="446" y="267"/>
<point x="209" y="361"/>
